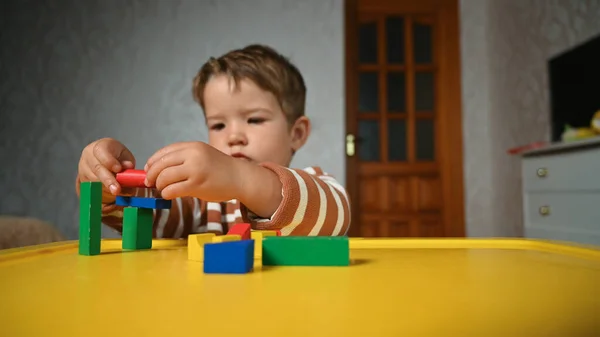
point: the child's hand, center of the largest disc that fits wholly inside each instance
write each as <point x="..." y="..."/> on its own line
<point x="100" y="161"/>
<point x="194" y="169"/>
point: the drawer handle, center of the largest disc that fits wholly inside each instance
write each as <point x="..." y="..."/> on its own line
<point x="544" y="210"/>
<point x="542" y="172"/>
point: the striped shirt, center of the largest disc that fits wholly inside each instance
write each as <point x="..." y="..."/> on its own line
<point x="313" y="203"/>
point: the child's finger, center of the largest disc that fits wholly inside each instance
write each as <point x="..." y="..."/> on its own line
<point x="176" y="190"/>
<point x="107" y="159"/>
<point x="171" y="175"/>
<point x="105" y="176"/>
<point x="128" y="164"/>
<point x="163" y="152"/>
<point x="168" y="160"/>
<point x="126" y="158"/>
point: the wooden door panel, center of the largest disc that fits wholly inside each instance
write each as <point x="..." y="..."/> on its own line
<point x="401" y="225"/>
<point x="399" y="205"/>
<point x="371" y="189"/>
<point x="399" y="193"/>
<point x="384" y="194"/>
<point x="401" y="6"/>
<point x="429" y="194"/>
<point x="398" y="229"/>
<point x="375" y="169"/>
<point x="433" y="229"/>
<point x="386" y="228"/>
<point x="403" y="110"/>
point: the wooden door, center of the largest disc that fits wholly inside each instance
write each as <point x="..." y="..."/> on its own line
<point x="403" y="118"/>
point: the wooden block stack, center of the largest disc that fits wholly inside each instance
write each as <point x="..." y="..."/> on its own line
<point x="138" y="214"/>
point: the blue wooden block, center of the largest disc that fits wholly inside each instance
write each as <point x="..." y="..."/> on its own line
<point x="231" y="257"/>
<point x="141" y="202"/>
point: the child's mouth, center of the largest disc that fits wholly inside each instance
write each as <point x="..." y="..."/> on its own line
<point x="240" y="156"/>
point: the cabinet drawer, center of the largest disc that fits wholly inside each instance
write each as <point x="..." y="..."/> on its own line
<point x="576" y="170"/>
<point x="568" y="211"/>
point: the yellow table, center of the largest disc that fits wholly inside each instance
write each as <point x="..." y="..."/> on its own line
<point x="394" y="287"/>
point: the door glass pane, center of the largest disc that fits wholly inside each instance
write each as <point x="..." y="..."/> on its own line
<point x="368" y="140"/>
<point x="396" y="140"/>
<point x="394" y="32"/>
<point x="424" y="91"/>
<point x="396" y="92"/>
<point x="425" y="139"/>
<point x="367" y="43"/>
<point x="368" y="92"/>
<point x="422" y="43"/>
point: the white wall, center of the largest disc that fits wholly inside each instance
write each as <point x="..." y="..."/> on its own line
<point x="73" y="71"/>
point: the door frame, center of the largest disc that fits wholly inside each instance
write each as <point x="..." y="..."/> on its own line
<point x="451" y="151"/>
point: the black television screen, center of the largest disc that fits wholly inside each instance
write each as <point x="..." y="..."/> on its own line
<point x="574" y="86"/>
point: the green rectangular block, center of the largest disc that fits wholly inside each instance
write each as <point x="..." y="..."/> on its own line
<point x="90" y="217"/>
<point x="305" y="251"/>
<point x="137" y="228"/>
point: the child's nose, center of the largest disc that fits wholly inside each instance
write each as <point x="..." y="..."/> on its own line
<point x="237" y="138"/>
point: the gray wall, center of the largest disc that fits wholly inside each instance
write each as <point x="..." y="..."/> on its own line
<point x="74" y="71"/>
<point x="505" y="48"/>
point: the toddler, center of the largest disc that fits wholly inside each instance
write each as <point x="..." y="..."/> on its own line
<point x="253" y="102"/>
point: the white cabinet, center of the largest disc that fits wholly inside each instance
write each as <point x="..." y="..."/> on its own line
<point x="561" y="192"/>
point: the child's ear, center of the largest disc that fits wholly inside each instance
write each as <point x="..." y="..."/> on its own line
<point x="300" y="132"/>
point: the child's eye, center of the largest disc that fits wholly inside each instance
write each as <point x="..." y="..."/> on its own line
<point x="256" y="120"/>
<point x="218" y="126"/>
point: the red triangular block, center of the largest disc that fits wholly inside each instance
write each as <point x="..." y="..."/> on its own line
<point x="242" y="229"/>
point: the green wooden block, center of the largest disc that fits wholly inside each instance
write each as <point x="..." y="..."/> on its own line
<point x="90" y="217"/>
<point x="137" y="228"/>
<point x="305" y="251"/>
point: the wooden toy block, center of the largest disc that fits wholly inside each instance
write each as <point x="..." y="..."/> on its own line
<point x="137" y="228"/>
<point x="90" y="217"/>
<point x="131" y="178"/>
<point x="258" y="239"/>
<point x="141" y="202"/>
<point x="196" y="245"/>
<point x="243" y="229"/>
<point x="234" y="257"/>
<point x="226" y="238"/>
<point x="305" y="251"/>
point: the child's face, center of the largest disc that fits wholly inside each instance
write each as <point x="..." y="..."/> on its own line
<point x="248" y="123"/>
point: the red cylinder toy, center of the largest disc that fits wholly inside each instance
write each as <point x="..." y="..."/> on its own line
<point x="131" y="178"/>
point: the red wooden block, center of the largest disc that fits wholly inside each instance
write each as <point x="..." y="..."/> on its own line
<point x="242" y="229"/>
<point x="278" y="232"/>
<point x="131" y="178"/>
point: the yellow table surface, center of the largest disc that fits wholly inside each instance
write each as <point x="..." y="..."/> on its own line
<point x="394" y="287"/>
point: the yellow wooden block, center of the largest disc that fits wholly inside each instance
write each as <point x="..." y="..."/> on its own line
<point x="196" y="245"/>
<point x="228" y="237"/>
<point x="258" y="237"/>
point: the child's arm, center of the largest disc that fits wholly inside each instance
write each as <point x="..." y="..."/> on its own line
<point x="303" y="202"/>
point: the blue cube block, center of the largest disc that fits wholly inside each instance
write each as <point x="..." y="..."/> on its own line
<point x="141" y="202"/>
<point x="232" y="257"/>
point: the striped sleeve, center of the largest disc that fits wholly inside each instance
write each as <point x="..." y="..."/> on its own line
<point x="186" y="216"/>
<point x="314" y="204"/>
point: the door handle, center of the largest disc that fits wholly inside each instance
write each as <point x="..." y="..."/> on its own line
<point x="350" y="148"/>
